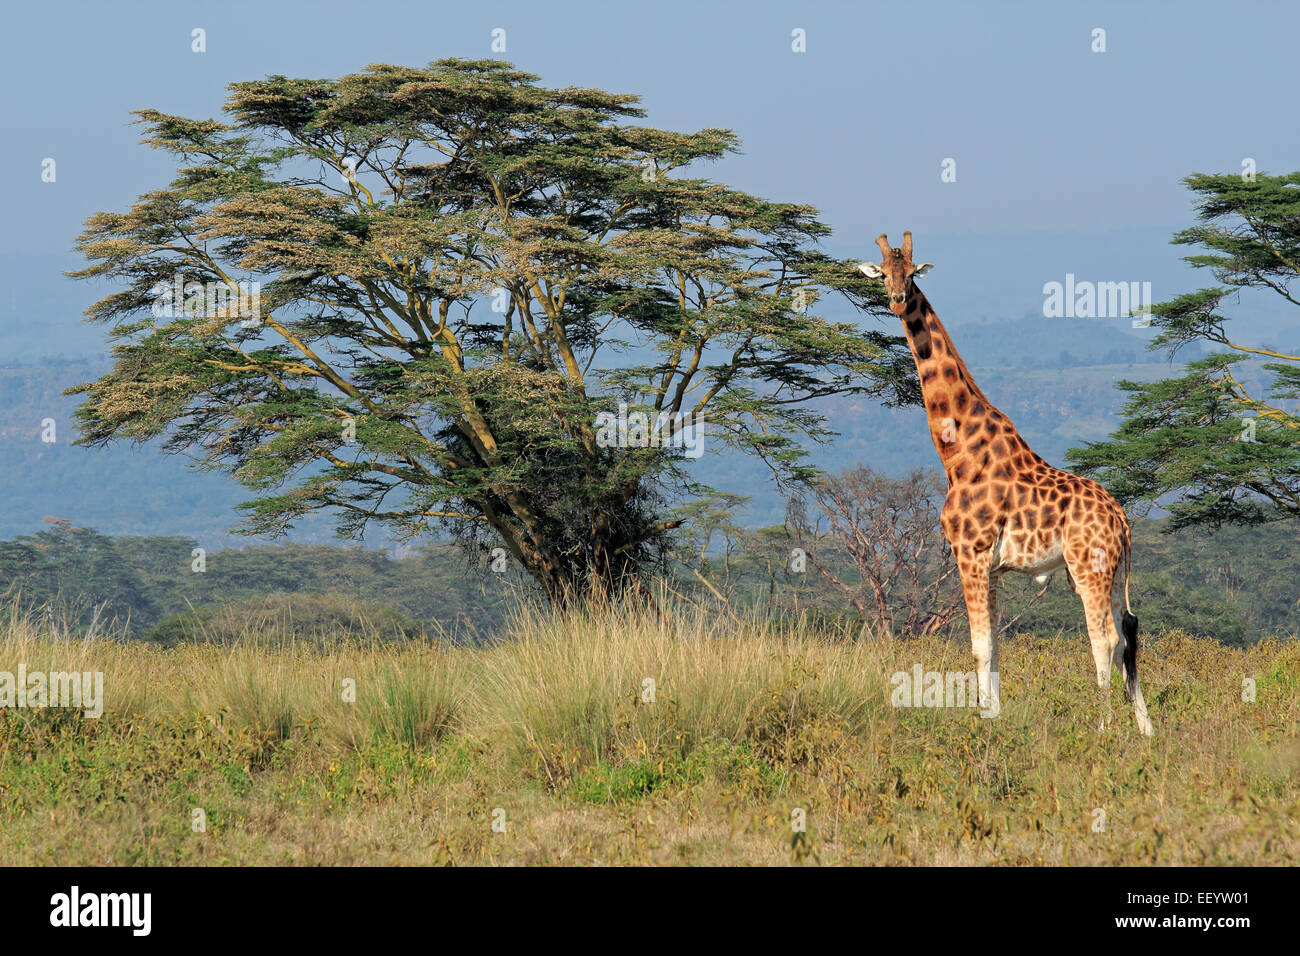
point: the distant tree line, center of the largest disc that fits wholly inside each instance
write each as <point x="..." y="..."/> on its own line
<point x="149" y="588"/>
<point x="862" y="551"/>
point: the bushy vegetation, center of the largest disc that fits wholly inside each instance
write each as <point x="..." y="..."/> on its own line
<point x="286" y="616"/>
<point x="557" y="736"/>
<point x="1235" y="586"/>
<point x="148" y="588"/>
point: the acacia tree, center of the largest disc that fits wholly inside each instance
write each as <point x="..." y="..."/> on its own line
<point x="1216" y="445"/>
<point x="459" y="270"/>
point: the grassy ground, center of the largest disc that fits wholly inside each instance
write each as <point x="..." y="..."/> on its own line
<point x="545" y="750"/>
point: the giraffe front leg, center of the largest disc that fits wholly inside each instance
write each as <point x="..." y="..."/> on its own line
<point x="978" y="587"/>
<point x="994" y="693"/>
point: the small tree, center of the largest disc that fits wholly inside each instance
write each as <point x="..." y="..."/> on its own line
<point x="1213" y="445"/>
<point x="460" y="271"/>
<point x="878" y="541"/>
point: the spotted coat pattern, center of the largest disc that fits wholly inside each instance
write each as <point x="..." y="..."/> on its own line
<point x="1007" y="509"/>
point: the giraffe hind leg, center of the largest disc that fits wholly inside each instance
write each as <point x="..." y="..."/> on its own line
<point x="1092" y="574"/>
<point x="1102" y="636"/>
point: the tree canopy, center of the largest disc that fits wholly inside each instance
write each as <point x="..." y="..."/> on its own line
<point x="1221" y="442"/>
<point x="406" y="295"/>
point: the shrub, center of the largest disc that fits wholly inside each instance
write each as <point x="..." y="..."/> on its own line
<point x="292" y="617"/>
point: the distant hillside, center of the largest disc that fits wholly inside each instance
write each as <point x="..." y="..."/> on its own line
<point x="1033" y="341"/>
<point x="138" y="490"/>
<point x="122" y="489"/>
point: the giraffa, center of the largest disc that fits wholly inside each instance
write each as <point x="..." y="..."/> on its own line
<point x="1006" y="508"/>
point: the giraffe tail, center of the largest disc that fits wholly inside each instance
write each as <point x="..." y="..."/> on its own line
<point x="1129" y="625"/>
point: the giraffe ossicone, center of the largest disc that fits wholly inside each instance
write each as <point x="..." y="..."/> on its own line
<point x="1007" y="509"/>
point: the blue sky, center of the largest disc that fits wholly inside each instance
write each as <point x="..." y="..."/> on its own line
<point x="1067" y="160"/>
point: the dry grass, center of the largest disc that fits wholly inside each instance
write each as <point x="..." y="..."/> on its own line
<point x="551" y="731"/>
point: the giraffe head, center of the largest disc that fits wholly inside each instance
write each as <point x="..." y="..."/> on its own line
<point x="897" y="271"/>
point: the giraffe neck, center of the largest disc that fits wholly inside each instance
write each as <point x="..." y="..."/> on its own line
<point x="969" y="432"/>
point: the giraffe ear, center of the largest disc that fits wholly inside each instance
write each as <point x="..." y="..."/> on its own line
<point x="922" y="269"/>
<point x="871" y="270"/>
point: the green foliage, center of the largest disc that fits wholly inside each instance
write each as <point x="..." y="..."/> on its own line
<point x="167" y="497"/>
<point x="292" y="617"/>
<point x="1234" y="585"/>
<point x="146" y="587"/>
<point x="457" y="265"/>
<point x="1231" y="585"/>
<point x="1211" y="445"/>
<point x="1161" y="604"/>
<point x="87" y="577"/>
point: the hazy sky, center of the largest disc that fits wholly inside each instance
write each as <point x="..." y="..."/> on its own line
<point x="1066" y="160"/>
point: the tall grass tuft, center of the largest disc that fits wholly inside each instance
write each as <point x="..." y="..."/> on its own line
<point x="411" y="698"/>
<point x="572" y="688"/>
